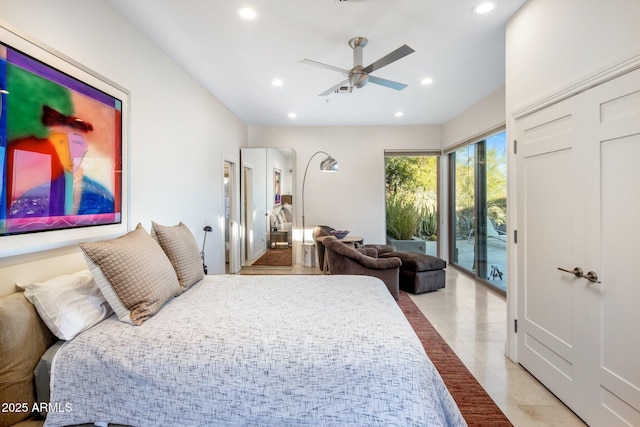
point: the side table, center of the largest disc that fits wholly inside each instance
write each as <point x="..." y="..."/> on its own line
<point x="309" y="255"/>
<point x="278" y="238"/>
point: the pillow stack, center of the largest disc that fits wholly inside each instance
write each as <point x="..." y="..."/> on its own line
<point x="138" y="274"/>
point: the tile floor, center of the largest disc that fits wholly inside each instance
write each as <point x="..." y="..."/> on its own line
<point x="472" y="319"/>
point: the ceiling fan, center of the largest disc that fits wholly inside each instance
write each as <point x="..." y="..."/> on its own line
<point x="358" y="76"/>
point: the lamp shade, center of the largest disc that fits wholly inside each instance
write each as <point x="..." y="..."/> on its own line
<point x="329" y="164"/>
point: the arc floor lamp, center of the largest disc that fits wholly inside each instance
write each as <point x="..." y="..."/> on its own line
<point x="329" y="164"/>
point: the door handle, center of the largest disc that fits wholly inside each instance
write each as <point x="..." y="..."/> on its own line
<point x="591" y="276"/>
<point x="577" y="271"/>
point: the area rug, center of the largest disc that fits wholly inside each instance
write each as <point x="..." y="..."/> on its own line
<point x="279" y="257"/>
<point x="477" y="407"/>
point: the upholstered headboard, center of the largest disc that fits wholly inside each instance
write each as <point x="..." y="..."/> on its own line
<point x="23" y="340"/>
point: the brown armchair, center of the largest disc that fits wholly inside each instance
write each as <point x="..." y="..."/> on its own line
<point x="344" y="259"/>
<point x="381" y="248"/>
<point x="321" y="230"/>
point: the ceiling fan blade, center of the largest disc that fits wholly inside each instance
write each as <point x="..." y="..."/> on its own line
<point x="327" y="66"/>
<point x="387" y="83"/>
<point x="333" y="88"/>
<point x="400" y="52"/>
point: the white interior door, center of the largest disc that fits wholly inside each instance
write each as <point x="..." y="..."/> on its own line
<point x="613" y="234"/>
<point x="578" y="167"/>
<point x="550" y="235"/>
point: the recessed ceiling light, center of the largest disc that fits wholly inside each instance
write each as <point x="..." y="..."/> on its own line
<point x="292" y="115"/>
<point x="482" y="8"/>
<point x="277" y="82"/>
<point x="426" y="81"/>
<point x="399" y="114"/>
<point x="247" y="13"/>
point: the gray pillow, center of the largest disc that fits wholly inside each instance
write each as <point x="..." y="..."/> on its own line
<point x="181" y="248"/>
<point x="133" y="273"/>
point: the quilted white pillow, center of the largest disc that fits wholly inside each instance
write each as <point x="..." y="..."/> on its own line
<point x="68" y="304"/>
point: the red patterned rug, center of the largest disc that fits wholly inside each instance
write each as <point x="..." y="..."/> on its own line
<point x="280" y="257"/>
<point x="477" y="407"/>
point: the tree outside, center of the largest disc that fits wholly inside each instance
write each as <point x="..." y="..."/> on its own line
<point x="496" y="169"/>
<point x="412" y="196"/>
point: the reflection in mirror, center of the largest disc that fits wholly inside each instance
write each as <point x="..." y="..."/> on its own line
<point x="267" y="205"/>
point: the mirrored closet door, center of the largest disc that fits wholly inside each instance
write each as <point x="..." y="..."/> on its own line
<point x="267" y="206"/>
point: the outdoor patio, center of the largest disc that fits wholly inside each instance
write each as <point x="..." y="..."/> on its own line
<point x="496" y="258"/>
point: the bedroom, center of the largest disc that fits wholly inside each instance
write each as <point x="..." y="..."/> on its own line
<point x="98" y="35"/>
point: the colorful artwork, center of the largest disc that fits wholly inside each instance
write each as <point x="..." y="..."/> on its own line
<point x="60" y="149"/>
<point x="276" y="185"/>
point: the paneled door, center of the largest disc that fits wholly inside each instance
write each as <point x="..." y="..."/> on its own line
<point x="613" y="212"/>
<point x="578" y="165"/>
<point x="551" y="223"/>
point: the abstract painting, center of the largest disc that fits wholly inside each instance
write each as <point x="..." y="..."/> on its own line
<point x="61" y="156"/>
<point x="277" y="190"/>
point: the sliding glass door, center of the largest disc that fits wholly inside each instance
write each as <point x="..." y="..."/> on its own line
<point x="463" y="183"/>
<point x="478" y="174"/>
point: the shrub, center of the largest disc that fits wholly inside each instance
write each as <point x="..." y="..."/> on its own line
<point x="403" y="217"/>
<point x="428" y="227"/>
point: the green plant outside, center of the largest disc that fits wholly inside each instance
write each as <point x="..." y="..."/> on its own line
<point x="403" y="217"/>
<point x="411" y="197"/>
<point x="496" y="206"/>
<point x="428" y="226"/>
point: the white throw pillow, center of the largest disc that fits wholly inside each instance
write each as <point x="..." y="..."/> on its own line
<point x="68" y="304"/>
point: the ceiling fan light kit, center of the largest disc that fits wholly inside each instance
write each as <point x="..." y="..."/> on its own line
<point x="358" y="76"/>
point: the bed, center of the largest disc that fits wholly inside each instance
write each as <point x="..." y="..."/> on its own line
<point x="252" y="351"/>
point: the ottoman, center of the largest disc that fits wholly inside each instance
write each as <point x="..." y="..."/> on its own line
<point x="419" y="272"/>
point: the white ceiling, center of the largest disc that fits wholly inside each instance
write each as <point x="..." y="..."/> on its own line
<point x="236" y="60"/>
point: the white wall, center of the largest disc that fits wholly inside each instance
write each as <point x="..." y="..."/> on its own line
<point x="552" y="44"/>
<point x="353" y="198"/>
<point x="178" y="136"/>
<point x="484" y="116"/>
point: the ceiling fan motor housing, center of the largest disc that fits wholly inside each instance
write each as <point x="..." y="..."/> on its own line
<point x="357" y="77"/>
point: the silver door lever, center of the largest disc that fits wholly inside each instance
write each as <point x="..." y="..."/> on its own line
<point x="576" y="271"/>
<point x="591" y="276"/>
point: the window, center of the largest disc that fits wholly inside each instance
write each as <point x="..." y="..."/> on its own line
<point x="412" y="202"/>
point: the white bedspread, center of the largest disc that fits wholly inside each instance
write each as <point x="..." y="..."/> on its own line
<point x="256" y="351"/>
